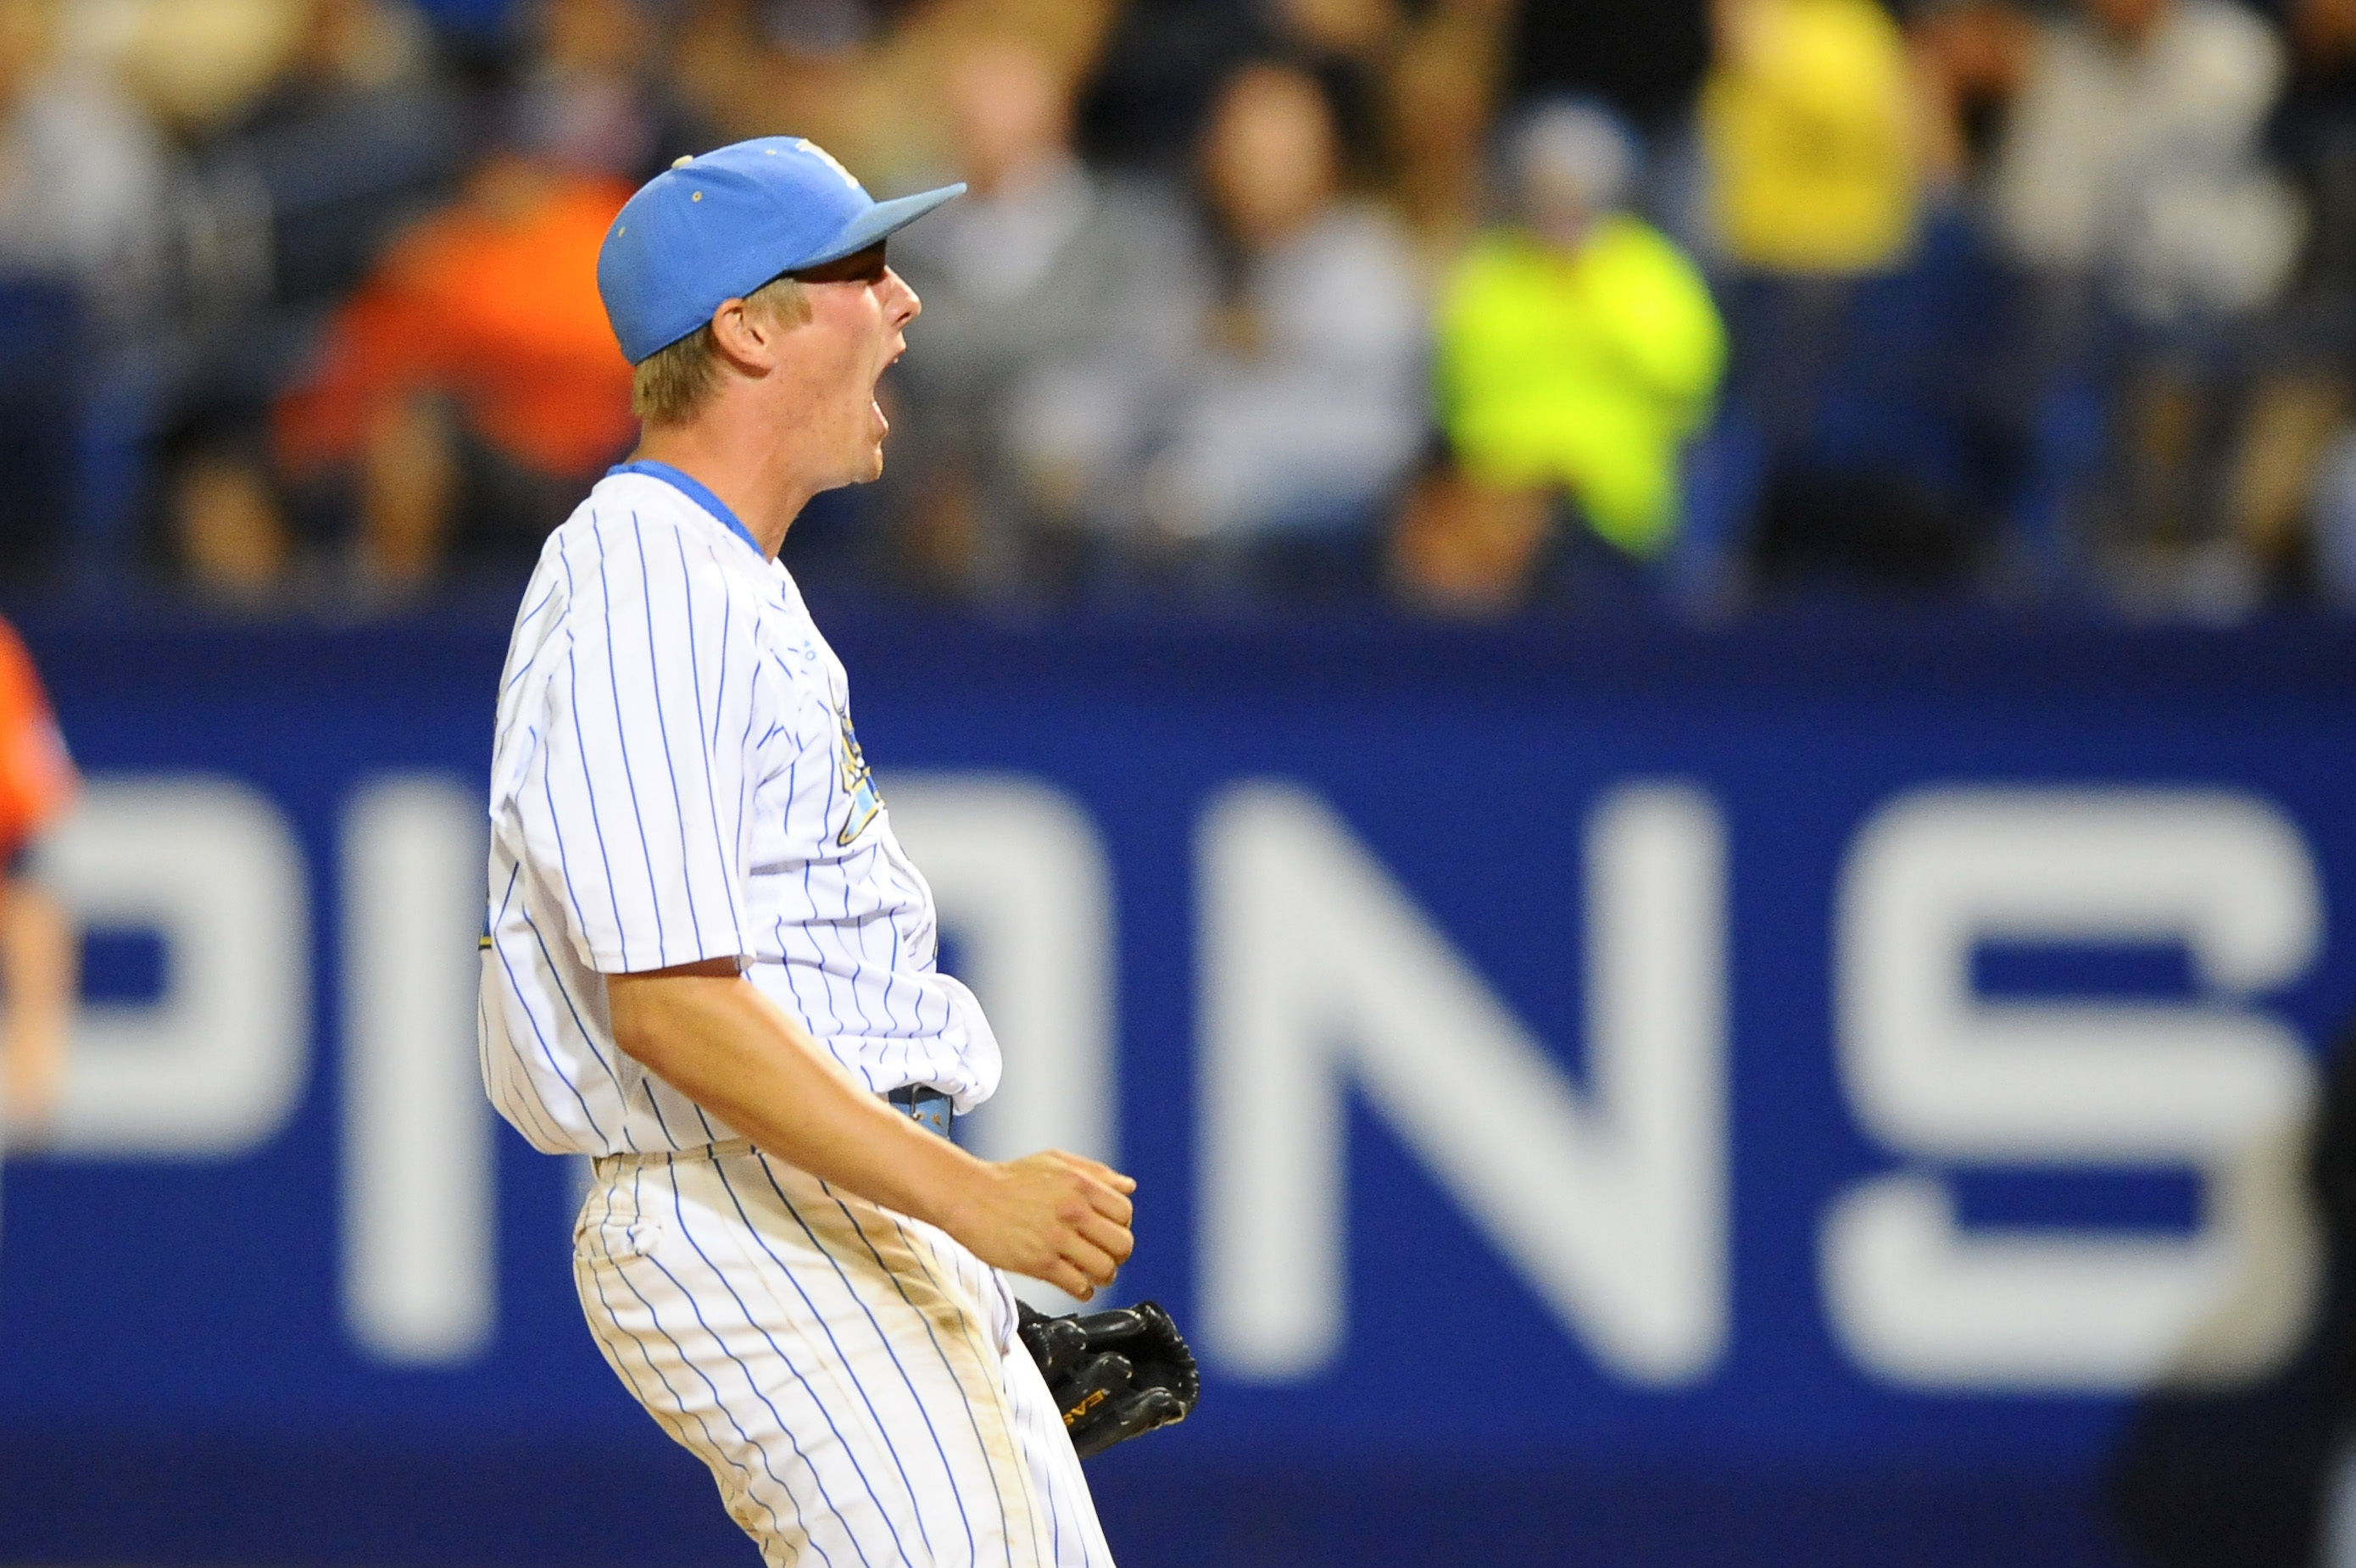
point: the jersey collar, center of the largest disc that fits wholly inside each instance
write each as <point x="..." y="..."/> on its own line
<point x="692" y="488"/>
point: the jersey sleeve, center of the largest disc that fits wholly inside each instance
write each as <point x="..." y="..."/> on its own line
<point x="637" y="799"/>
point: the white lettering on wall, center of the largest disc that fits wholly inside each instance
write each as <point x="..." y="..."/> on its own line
<point x="215" y="1065"/>
<point x="1946" y="1077"/>
<point x="420" y="1183"/>
<point x="1318" y="970"/>
<point x="1022" y="885"/>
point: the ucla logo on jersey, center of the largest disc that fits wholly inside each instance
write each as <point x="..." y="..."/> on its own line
<point x="858" y="783"/>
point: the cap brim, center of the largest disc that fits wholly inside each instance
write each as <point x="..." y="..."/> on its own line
<point x="880" y="222"/>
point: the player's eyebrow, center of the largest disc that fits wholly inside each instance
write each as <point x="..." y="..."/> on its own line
<point x="859" y="267"/>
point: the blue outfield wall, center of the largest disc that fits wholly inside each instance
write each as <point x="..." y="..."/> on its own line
<point x="1772" y="1096"/>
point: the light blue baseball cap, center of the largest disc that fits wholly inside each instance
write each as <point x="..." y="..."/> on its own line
<point x="718" y="226"/>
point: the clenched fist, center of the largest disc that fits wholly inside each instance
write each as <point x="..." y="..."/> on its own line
<point x="1052" y="1216"/>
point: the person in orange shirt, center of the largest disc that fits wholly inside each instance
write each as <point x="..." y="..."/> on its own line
<point x="470" y="390"/>
<point x="40" y="958"/>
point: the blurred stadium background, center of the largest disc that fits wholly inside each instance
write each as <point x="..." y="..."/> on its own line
<point x="1653" y="701"/>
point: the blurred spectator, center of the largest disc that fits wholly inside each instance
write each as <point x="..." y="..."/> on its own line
<point x="471" y="389"/>
<point x="1645" y="60"/>
<point x="81" y="281"/>
<point x="1578" y="349"/>
<point x="2316" y="130"/>
<point x="2288" y="487"/>
<point x="38" y="955"/>
<point x="300" y="189"/>
<point x="1440" y="95"/>
<point x="1857" y="308"/>
<point x="1413" y="85"/>
<point x="865" y="78"/>
<point x="2274" y="493"/>
<point x="1057" y="304"/>
<point x="1970" y="58"/>
<point x="68" y="126"/>
<point x="2133" y="155"/>
<point x="194" y="64"/>
<point x="592" y="98"/>
<point x="1164" y="67"/>
<point x="1465" y="551"/>
<point x="1809" y="130"/>
<point x="2131" y="183"/>
<point x="1360" y="30"/>
<point x="353" y="137"/>
<point x="1305" y="406"/>
<point x="457" y="402"/>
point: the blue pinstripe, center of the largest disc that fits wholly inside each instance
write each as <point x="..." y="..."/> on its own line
<point x="483" y="1028"/>
<point x="588" y="784"/>
<point x="1054" y="1523"/>
<point x="1005" y="1525"/>
<point x="622" y="742"/>
<point x="933" y="1270"/>
<point x="916" y="1507"/>
<point x="809" y="902"/>
<point x="890" y="1014"/>
<point x="817" y="1480"/>
<point x="587" y="1114"/>
<point x="655" y="1318"/>
<point x="597" y="818"/>
<point x="753" y="1383"/>
<point x="564" y="859"/>
<point x="556" y="977"/>
<point x="704" y="732"/>
<point x="521" y="1093"/>
<point x="662" y="729"/>
<point x="858" y="968"/>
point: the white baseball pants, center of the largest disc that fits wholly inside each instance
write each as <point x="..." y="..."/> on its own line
<point x="851" y="1375"/>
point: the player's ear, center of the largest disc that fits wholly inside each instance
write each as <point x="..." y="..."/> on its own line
<point x="745" y="338"/>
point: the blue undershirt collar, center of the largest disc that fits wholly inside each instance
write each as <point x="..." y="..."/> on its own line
<point x="693" y="489"/>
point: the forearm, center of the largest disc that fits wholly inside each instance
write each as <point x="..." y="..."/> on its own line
<point x="714" y="1037"/>
<point x="721" y="1043"/>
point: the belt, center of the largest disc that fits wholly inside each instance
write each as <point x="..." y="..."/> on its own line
<point x="923" y="1103"/>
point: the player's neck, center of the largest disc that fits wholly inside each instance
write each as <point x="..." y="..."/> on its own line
<point x="758" y="479"/>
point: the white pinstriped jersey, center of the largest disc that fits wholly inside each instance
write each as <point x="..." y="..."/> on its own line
<point x="674" y="778"/>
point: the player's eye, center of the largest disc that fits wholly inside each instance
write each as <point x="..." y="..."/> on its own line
<point x="859" y="267"/>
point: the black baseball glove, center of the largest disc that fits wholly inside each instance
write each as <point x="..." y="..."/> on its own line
<point x="1115" y="1375"/>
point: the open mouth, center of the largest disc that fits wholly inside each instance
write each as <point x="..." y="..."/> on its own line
<point x="875" y="392"/>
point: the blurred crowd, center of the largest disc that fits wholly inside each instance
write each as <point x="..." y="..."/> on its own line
<point x="1469" y="309"/>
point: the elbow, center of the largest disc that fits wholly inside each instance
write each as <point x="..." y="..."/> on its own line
<point x="634" y="1008"/>
<point x="651" y="1013"/>
<point x="635" y="1041"/>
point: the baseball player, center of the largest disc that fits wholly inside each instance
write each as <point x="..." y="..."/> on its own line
<point x="709" y="964"/>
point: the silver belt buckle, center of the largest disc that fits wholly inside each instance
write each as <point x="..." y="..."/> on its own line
<point x="926" y="1104"/>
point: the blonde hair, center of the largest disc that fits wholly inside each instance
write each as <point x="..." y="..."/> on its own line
<point x="671" y="384"/>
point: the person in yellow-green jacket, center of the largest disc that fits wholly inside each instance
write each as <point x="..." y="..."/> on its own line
<point x="1578" y="348"/>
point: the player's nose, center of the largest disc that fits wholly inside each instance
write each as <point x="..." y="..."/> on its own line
<point x="905" y="307"/>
